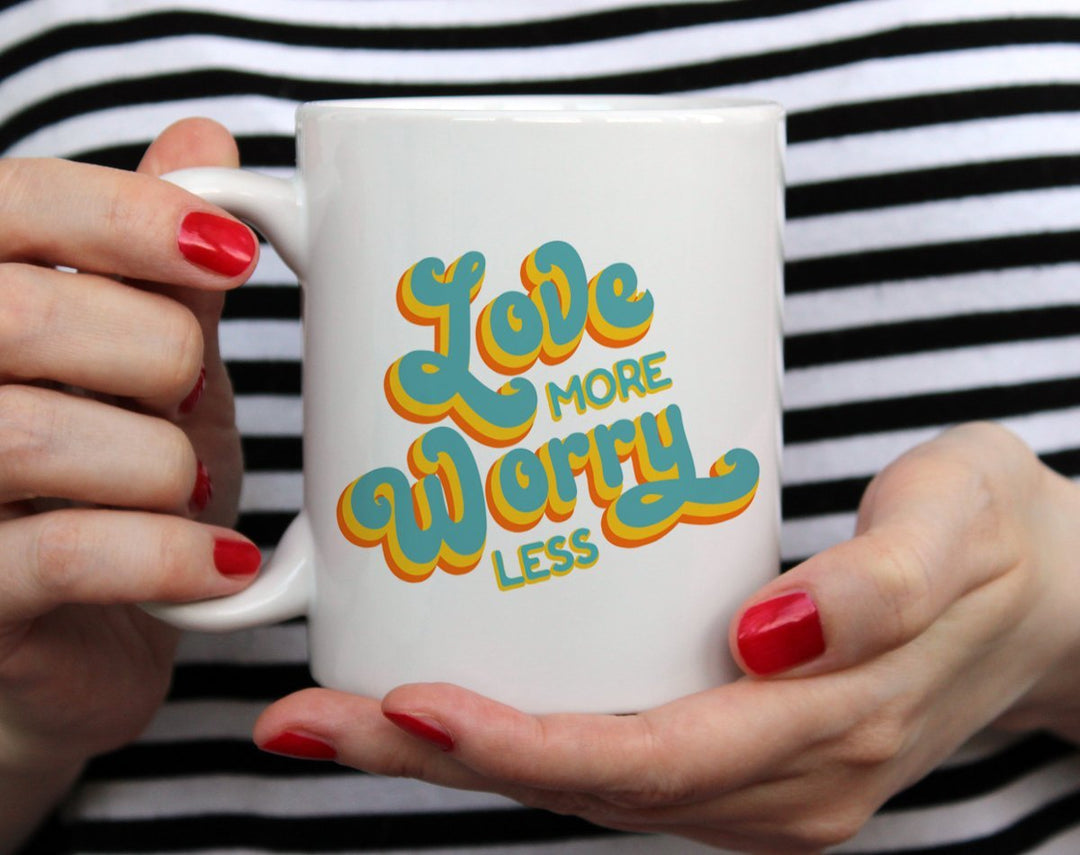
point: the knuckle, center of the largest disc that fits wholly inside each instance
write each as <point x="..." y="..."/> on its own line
<point x="181" y="350"/>
<point x="23" y="312"/>
<point x="60" y="552"/>
<point x="903" y="583"/>
<point x="172" y="563"/>
<point x="653" y="789"/>
<point x="17" y="193"/>
<point x="825" y="829"/>
<point x="176" y="464"/>
<point x="26" y="427"/>
<point x="878" y="741"/>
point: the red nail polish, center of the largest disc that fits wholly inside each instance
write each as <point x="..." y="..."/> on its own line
<point x="217" y="243"/>
<point x="236" y="557"/>
<point x="203" y="491"/>
<point x="297" y="745"/>
<point x="423" y="727"/>
<point x="189" y="403"/>
<point x="780" y="633"/>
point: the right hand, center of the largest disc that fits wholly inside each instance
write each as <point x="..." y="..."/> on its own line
<point x="102" y="441"/>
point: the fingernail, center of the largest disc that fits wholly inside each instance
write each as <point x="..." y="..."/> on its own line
<point x="188" y="404"/>
<point x="423" y="727"/>
<point x="236" y="557"/>
<point x="217" y="243"/>
<point x="780" y="633"/>
<point x="293" y="744"/>
<point x="203" y="491"/>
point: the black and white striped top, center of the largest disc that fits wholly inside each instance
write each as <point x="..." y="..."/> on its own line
<point x="933" y="275"/>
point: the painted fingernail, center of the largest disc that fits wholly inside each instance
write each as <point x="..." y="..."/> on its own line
<point x="203" y="490"/>
<point x="217" y="243"/>
<point x="780" y="633"/>
<point x="424" y="728"/>
<point x="192" y="399"/>
<point x="293" y="744"/>
<point x="236" y="557"/>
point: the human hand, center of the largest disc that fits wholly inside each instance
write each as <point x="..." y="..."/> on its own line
<point x="108" y="428"/>
<point x="954" y="605"/>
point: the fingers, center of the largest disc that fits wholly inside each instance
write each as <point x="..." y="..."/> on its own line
<point x="95" y="333"/>
<point x="107" y="557"/>
<point x="60" y="446"/>
<point x="939" y="523"/>
<point x="682" y="753"/>
<point x="119" y="223"/>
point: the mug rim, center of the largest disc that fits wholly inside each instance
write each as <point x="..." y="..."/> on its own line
<point x="547" y="107"/>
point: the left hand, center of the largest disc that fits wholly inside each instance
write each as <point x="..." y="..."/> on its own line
<point x="955" y="605"/>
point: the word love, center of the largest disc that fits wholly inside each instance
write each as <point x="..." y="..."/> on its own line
<point x="441" y="520"/>
<point x="545" y="322"/>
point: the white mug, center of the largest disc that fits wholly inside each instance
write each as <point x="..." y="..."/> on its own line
<point x="541" y="392"/>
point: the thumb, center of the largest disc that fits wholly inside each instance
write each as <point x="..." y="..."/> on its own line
<point x="184" y="144"/>
<point x="187" y="143"/>
<point x="940" y="522"/>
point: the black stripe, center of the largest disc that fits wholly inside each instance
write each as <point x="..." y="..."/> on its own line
<point x="563" y="30"/>
<point x="809" y="349"/>
<point x="254" y="682"/>
<point x="953" y="182"/>
<point x="940" y="408"/>
<point x="842" y="495"/>
<point x="940" y="108"/>
<point x="802" y="126"/>
<point x="265" y="377"/>
<point x="273" y="453"/>
<point x="181" y="759"/>
<point x="941" y="259"/>
<point x="263" y="302"/>
<point x="899" y="42"/>
<point x="256" y="152"/>
<point x="264" y="527"/>
<point x="1022" y="836"/>
<point x="970" y="780"/>
<point x="383" y="832"/>
<point x="822" y="497"/>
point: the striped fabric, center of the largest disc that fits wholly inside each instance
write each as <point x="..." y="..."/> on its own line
<point x="933" y="275"/>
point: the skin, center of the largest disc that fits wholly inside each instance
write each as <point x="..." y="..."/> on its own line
<point x="951" y="608"/>
<point x="93" y="369"/>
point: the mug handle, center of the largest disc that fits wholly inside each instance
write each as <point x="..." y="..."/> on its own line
<point x="285" y="584"/>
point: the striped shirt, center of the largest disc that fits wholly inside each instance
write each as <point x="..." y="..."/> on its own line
<point x="932" y="276"/>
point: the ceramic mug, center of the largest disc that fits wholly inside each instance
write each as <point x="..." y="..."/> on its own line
<point x="541" y="380"/>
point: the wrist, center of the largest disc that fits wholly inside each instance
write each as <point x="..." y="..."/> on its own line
<point x="29" y="791"/>
<point x="1053" y="700"/>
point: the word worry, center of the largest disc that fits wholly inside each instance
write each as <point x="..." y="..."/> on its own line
<point x="440" y="519"/>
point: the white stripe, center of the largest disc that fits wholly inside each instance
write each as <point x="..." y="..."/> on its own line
<point x="970" y="819"/>
<point x="285" y="643"/>
<point x="866" y="454"/>
<point x="195" y="721"/>
<point x="918" y="299"/>
<point x="309" y="796"/>
<point x="272" y="491"/>
<point x="1066" y="843"/>
<point x="272" y="340"/>
<point x="973" y="218"/>
<point x="25" y="20"/>
<point x="922" y="74"/>
<point x="643" y="52"/>
<point x="804" y="537"/>
<point x="616" y="844"/>
<point x="269" y="415"/>
<point x="131" y="125"/>
<point x="977" y="141"/>
<point x="933" y="371"/>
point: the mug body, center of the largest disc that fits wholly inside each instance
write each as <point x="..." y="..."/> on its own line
<point x="542" y="391"/>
